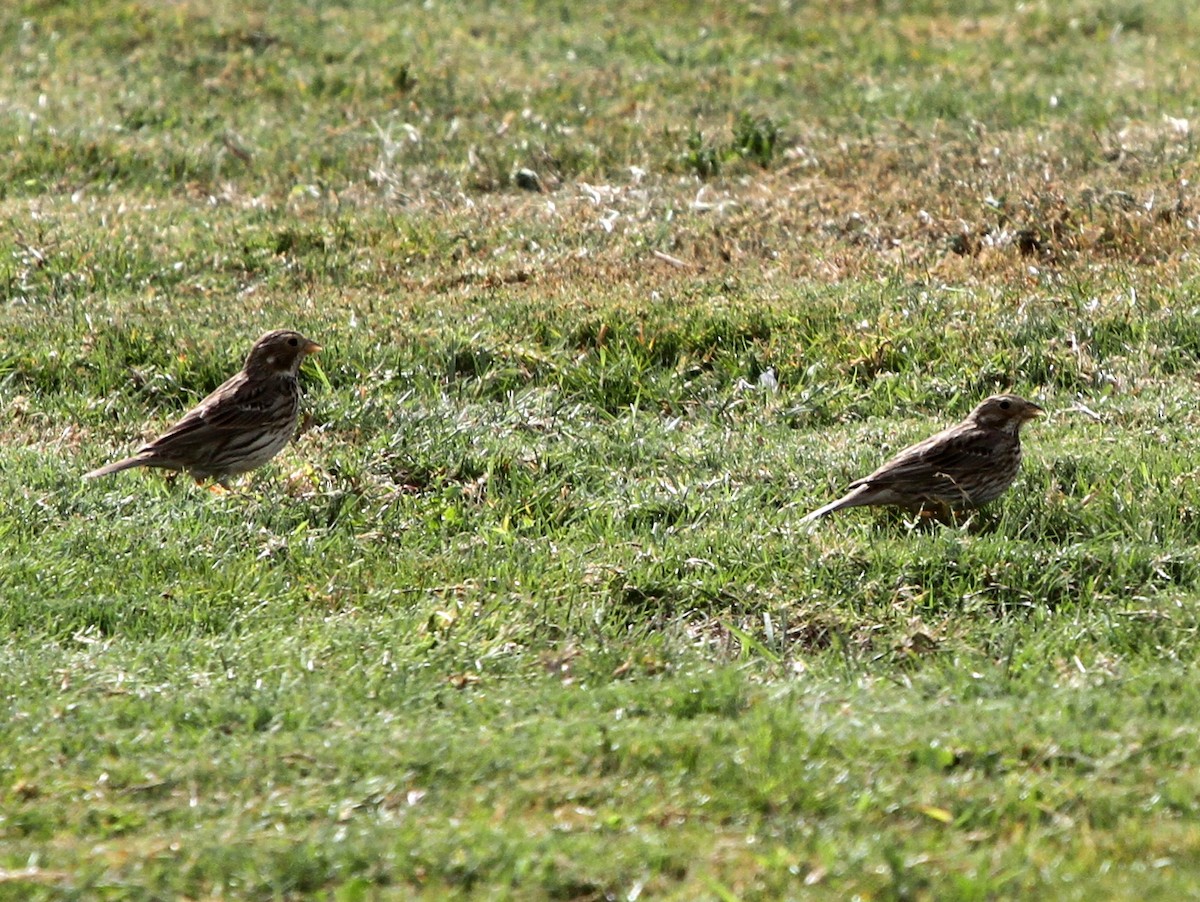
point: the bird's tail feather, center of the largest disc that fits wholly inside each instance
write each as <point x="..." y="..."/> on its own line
<point x="854" y="498"/>
<point x="116" y="466"/>
<point x="822" y="511"/>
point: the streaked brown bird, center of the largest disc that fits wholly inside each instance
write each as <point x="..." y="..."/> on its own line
<point x="241" y="425"/>
<point x="964" y="466"/>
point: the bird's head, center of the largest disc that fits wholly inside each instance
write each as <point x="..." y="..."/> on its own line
<point x="1004" y="412"/>
<point x="281" y="351"/>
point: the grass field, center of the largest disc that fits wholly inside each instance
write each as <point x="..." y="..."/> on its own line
<point x="527" y="612"/>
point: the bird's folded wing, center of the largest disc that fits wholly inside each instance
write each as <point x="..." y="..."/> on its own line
<point x="237" y="404"/>
<point x="933" y="460"/>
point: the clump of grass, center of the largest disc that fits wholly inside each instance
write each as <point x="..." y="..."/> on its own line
<point x="754" y="138"/>
<point x="702" y="157"/>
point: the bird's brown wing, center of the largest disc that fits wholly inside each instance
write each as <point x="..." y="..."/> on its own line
<point x="935" y="464"/>
<point x="237" y="404"/>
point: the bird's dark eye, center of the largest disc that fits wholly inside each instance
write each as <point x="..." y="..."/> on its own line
<point x="1004" y="405"/>
<point x="293" y="342"/>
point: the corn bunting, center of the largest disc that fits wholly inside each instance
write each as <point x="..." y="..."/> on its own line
<point x="241" y="425"/>
<point x="964" y="466"/>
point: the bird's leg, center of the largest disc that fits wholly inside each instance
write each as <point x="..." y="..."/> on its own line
<point x="937" y="510"/>
<point x="219" y="486"/>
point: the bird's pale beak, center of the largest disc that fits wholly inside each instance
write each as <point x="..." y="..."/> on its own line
<point x="312" y="348"/>
<point x="1035" y="411"/>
